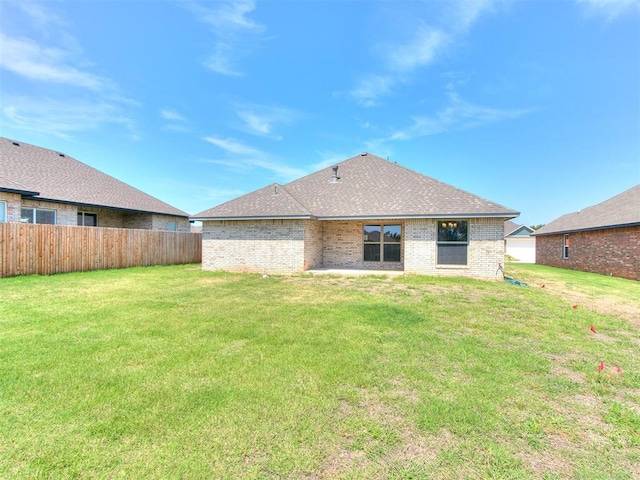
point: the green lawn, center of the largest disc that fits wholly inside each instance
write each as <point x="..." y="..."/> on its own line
<point x="170" y="372"/>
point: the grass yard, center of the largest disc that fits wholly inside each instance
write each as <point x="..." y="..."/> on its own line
<point x="170" y="372"/>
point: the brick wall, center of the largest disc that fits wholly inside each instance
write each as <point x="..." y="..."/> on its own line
<point x="65" y="214"/>
<point x="613" y="251"/>
<point x="107" y="217"/>
<point x="343" y="245"/>
<point x="312" y="244"/>
<point x="14" y="204"/>
<point x="290" y="246"/>
<point x="254" y="246"/>
<point x="484" y="255"/>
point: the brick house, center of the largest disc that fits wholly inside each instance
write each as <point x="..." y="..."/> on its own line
<point x="38" y="185"/>
<point x="365" y="213"/>
<point x="604" y="238"/>
<point x="518" y="242"/>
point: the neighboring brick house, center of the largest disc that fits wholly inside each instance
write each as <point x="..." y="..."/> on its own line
<point x="365" y="213"/>
<point x="604" y="238"/>
<point x="38" y="185"/>
<point x="518" y="242"/>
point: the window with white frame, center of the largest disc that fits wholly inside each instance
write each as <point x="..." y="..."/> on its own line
<point x="38" y="215"/>
<point x="453" y="241"/>
<point x="565" y="246"/>
<point x="86" y="219"/>
<point x="172" y="226"/>
<point x="3" y="212"/>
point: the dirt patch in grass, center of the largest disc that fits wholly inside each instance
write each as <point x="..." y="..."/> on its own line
<point x="390" y="440"/>
<point x="392" y="287"/>
<point x="550" y="461"/>
<point x="560" y="369"/>
<point x="583" y="297"/>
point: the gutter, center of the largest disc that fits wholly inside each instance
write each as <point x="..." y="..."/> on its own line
<point x="280" y="217"/>
<point x="105" y="207"/>
<point x="586" y="229"/>
<point x="356" y="217"/>
<point x="26" y="193"/>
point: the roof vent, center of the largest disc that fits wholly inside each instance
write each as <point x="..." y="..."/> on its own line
<point x="363" y="154"/>
<point x="61" y="154"/>
<point x="335" y="177"/>
<point x="16" y="144"/>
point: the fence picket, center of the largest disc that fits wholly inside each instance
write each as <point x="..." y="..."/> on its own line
<point x="27" y="249"/>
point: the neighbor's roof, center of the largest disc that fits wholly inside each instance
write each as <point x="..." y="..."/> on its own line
<point x="513" y="229"/>
<point x="368" y="187"/>
<point x="44" y="174"/>
<point x="623" y="210"/>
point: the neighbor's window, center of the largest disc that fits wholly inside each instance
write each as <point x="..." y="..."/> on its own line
<point x="38" y="215"/>
<point x="382" y="243"/>
<point x="453" y="241"/>
<point x="87" y="219"/>
<point x="3" y="212"/>
<point x="565" y="247"/>
<point x="172" y="226"/>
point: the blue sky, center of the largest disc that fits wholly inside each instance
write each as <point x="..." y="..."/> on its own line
<point x="531" y="104"/>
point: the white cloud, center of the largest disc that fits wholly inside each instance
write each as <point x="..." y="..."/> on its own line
<point x="245" y="156"/>
<point x="171" y="115"/>
<point x="255" y="123"/>
<point x="457" y="115"/>
<point x="61" y="118"/>
<point x="235" y="34"/>
<point x="465" y="13"/>
<point x="419" y="52"/>
<point x="40" y="15"/>
<point x="34" y="61"/>
<point x="232" y="146"/>
<point x="425" y="45"/>
<point x="222" y="60"/>
<point x="283" y="171"/>
<point x="611" y="9"/>
<point x="371" y="87"/>
<point x="228" y="16"/>
<point x="262" y="120"/>
<point x="76" y="99"/>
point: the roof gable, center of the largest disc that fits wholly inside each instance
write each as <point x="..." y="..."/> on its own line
<point x="371" y="187"/>
<point x="49" y="175"/>
<point x="512" y="229"/>
<point x="619" y="211"/>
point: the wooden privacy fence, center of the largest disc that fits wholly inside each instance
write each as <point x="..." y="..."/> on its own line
<point x="27" y="249"/>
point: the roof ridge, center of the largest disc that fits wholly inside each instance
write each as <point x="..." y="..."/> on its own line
<point x="447" y="184"/>
<point x="620" y="210"/>
<point x="610" y="199"/>
<point x="65" y="179"/>
<point x="294" y="199"/>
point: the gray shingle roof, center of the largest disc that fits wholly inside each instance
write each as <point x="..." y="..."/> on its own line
<point x="273" y="201"/>
<point x="368" y="187"/>
<point x="512" y="228"/>
<point x="56" y="177"/>
<point x="621" y="210"/>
